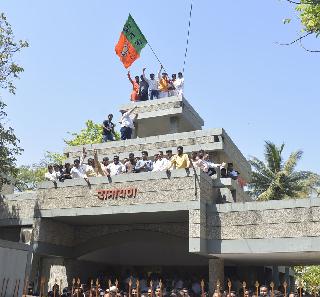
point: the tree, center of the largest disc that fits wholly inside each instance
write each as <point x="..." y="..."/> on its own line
<point x="91" y="134"/>
<point x="9" y="71"/>
<point x="308" y="277"/>
<point x="9" y="149"/>
<point x="277" y="179"/>
<point x="309" y="17"/>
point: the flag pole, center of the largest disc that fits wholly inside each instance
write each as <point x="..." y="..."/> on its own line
<point x="156" y="56"/>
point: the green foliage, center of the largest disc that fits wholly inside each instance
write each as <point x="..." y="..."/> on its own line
<point x="91" y="134"/>
<point x="286" y="21"/>
<point x="276" y="179"/>
<point x="309" y="15"/>
<point x="9" y="70"/>
<point x="29" y="176"/>
<point x="308" y="277"/>
<point x="9" y="149"/>
<point x="53" y="158"/>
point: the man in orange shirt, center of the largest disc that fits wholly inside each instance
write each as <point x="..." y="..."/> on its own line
<point x="135" y="88"/>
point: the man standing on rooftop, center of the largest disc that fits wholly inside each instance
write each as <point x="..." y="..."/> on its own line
<point x="143" y="89"/>
<point x="108" y="129"/>
<point x="153" y="85"/>
<point x="163" y="84"/>
<point x="179" y="84"/>
<point x="126" y="122"/>
<point x="135" y="88"/>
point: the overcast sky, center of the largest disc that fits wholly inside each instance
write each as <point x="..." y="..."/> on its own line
<point x="236" y="77"/>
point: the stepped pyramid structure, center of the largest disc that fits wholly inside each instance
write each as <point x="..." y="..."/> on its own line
<point x="155" y="220"/>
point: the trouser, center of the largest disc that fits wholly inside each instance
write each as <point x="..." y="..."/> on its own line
<point x="108" y="136"/>
<point x="154" y="94"/>
<point x="126" y="133"/>
<point x="163" y="94"/>
<point x="144" y="97"/>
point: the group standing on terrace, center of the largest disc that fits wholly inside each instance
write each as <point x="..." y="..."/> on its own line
<point x="144" y="88"/>
<point x="137" y="164"/>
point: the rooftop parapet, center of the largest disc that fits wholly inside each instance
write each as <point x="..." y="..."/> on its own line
<point x="165" y="116"/>
<point x="126" y="191"/>
<point x="215" y="141"/>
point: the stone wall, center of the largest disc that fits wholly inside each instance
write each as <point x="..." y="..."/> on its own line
<point x="191" y="141"/>
<point x="17" y="207"/>
<point x="53" y="232"/>
<point x="261" y="220"/>
<point x="153" y="187"/>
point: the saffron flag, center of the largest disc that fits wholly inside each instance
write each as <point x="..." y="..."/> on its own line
<point x="130" y="43"/>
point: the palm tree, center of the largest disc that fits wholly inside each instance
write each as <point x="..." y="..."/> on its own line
<point x="276" y="179"/>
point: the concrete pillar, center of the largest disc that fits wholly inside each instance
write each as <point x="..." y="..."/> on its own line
<point x="275" y="275"/>
<point x="54" y="271"/>
<point x="174" y="124"/>
<point x="216" y="273"/>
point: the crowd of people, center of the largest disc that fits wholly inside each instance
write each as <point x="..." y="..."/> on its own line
<point x="156" y="287"/>
<point x="144" y="88"/>
<point x="137" y="164"/>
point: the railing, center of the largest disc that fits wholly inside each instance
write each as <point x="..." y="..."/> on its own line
<point x="133" y="288"/>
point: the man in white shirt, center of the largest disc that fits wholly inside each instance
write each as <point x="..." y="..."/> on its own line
<point x="179" y="84"/>
<point x="116" y="167"/>
<point x="51" y="175"/>
<point x="78" y="170"/>
<point x="144" y="165"/>
<point x="126" y="122"/>
<point x="161" y="163"/>
<point x="153" y="85"/>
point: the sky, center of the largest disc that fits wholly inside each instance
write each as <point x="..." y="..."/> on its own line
<point x="237" y="77"/>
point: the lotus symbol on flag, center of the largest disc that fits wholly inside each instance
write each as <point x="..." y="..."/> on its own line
<point x="125" y="50"/>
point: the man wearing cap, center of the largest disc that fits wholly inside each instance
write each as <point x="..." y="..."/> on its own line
<point x="180" y="160"/>
<point x="108" y="129"/>
<point x="163" y="83"/>
<point x="153" y="85"/>
<point x="116" y="167"/>
<point x="126" y="122"/>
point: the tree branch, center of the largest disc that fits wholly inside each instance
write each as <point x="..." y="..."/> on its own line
<point x="310" y="51"/>
<point x="294" y="41"/>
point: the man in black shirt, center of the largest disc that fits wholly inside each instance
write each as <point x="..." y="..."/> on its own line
<point x="108" y="129"/>
<point x="143" y="89"/>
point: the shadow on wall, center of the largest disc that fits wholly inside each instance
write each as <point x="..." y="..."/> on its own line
<point x="10" y="216"/>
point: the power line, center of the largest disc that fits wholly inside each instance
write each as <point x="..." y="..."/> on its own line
<point x="188" y="37"/>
